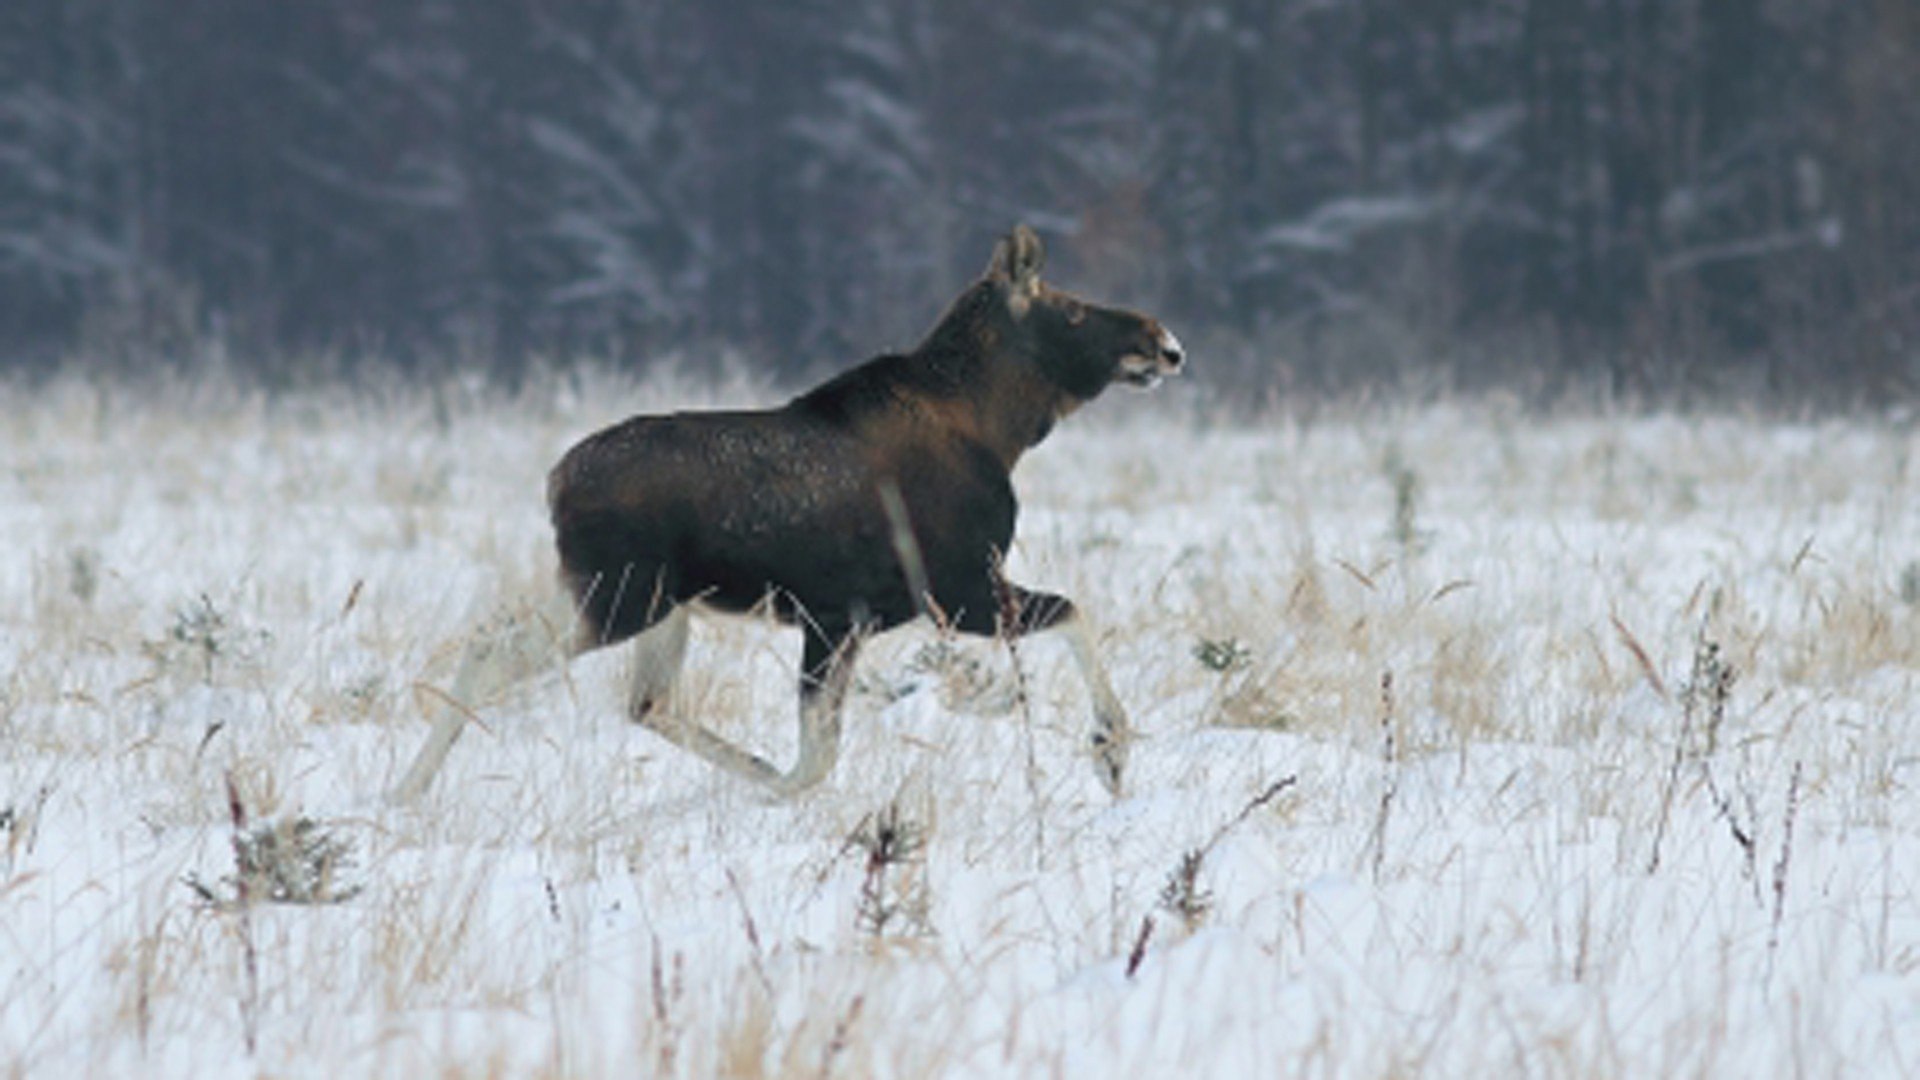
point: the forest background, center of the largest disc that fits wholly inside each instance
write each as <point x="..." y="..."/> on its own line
<point x="1655" y="197"/>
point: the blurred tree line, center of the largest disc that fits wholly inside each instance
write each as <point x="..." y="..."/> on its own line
<point x="1645" y="190"/>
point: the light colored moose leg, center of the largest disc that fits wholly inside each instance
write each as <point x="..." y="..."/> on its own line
<point x="1112" y="735"/>
<point x="513" y="646"/>
<point x="820" y="706"/>
<point x="658" y="654"/>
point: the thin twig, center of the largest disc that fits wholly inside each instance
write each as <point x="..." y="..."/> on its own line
<point x="661" y="999"/>
<point x="1268" y="794"/>
<point x="1780" y="867"/>
<point x="243" y="908"/>
<point x="1139" y="951"/>
<point x="1389" y="776"/>
<point x="1743" y="835"/>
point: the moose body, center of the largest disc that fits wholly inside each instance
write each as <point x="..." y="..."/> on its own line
<point x="880" y="495"/>
<point x="735" y="509"/>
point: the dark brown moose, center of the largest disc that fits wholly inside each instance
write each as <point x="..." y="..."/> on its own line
<point x="880" y="495"/>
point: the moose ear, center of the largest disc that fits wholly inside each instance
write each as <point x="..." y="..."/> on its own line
<point x="1016" y="264"/>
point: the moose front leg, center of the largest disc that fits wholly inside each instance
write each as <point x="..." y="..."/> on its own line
<point x="1112" y="737"/>
<point x="1024" y="611"/>
<point x="827" y="671"/>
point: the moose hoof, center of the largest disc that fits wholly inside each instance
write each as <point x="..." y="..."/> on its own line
<point x="1109" y="760"/>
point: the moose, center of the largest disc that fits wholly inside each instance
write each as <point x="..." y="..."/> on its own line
<point x="879" y="496"/>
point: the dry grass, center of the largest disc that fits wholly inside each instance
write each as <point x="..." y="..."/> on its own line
<point x="213" y="587"/>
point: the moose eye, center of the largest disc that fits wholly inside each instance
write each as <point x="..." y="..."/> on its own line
<point x="1076" y="313"/>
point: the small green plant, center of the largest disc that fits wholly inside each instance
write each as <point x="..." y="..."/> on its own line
<point x="889" y="839"/>
<point x="1703" y="707"/>
<point x="20" y="825"/>
<point x="290" y="861"/>
<point x="200" y="630"/>
<point x="1222" y="655"/>
<point x="1182" y="895"/>
<point x="202" y="637"/>
<point x="962" y="680"/>
<point x="1405" y="529"/>
<point x="83" y="573"/>
<point x="1709" y="689"/>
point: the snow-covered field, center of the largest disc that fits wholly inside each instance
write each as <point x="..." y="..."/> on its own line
<point x="1440" y="771"/>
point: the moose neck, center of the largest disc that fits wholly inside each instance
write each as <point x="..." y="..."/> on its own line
<point x="976" y="359"/>
<point x="1016" y="405"/>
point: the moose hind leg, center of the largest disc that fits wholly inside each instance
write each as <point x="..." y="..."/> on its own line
<point x="823" y="690"/>
<point x="511" y="647"/>
<point x="658" y="654"/>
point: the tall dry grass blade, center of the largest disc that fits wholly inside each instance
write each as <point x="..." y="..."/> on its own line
<point x="1639" y="651"/>
<point x="1008" y="621"/>
<point x="842" y="1029"/>
<point x="759" y="951"/>
<point x="906" y="545"/>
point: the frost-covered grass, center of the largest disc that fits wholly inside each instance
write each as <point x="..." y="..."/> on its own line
<point x="1531" y="830"/>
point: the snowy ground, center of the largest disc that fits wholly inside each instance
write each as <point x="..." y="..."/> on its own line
<point x="1575" y="858"/>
